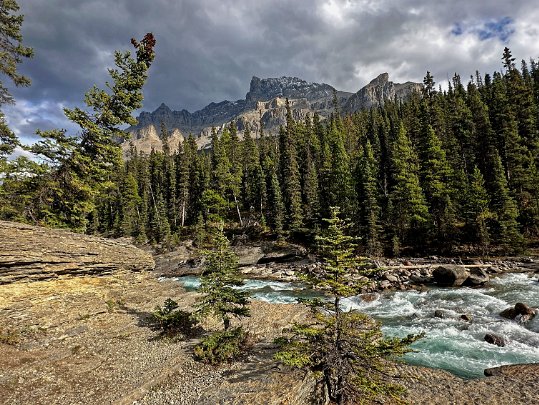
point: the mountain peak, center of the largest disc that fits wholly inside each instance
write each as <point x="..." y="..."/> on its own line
<point x="380" y="80"/>
<point x="285" y="86"/>
<point x="163" y="108"/>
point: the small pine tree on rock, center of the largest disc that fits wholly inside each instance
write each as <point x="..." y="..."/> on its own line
<point x="221" y="299"/>
<point x="346" y="350"/>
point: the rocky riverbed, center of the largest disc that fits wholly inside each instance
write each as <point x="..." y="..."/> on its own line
<point x="82" y="333"/>
<point x="89" y="340"/>
<point x="283" y="262"/>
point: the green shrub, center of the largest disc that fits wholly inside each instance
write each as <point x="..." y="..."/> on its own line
<point x="171" y="319"/>
<point x="221" y="346"/>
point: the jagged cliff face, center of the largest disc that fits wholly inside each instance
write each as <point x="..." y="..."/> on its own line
<point x="265" y="102"/>
<point x="379" y="90"/>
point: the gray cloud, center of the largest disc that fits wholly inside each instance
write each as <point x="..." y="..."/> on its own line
<point x="207" y="50"/>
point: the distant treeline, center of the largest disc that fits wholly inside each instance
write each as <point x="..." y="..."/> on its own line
<point x="440" y="171"/>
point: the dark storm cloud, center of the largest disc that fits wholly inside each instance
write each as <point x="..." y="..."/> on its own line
<point x="207" y="50"/>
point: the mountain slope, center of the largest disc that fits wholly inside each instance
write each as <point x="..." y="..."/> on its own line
<point x="265" y="102"/>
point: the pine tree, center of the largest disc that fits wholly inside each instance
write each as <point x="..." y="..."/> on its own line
<point x="409" y="213"/>
<point x="346" y="349"/>
<point x="12" y="53"/>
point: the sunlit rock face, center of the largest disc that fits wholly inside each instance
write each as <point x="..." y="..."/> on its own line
<point x="264" y="105"/>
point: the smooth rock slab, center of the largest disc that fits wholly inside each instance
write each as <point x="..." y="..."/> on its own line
<point x="35" y="253"/>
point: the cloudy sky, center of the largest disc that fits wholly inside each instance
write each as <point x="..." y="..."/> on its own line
<point x="207" y="50"/>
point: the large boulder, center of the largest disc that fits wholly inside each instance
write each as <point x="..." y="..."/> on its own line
<point x="450" y="275"/>
<point x="520" y="311"/>
<point x="37" y="253"/>
<point x="248" y="255"/>
<point x="477" y="277"/>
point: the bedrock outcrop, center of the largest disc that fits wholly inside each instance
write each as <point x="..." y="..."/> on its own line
<point x="35" y="253"/>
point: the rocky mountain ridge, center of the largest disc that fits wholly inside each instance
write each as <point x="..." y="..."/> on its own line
<point x="265" y="103"/>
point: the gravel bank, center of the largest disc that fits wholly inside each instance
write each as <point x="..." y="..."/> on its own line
<point x="87" y="340"/>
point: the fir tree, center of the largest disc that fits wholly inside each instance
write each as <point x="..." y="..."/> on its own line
<point x="346" y="349"/>
<point x="409" y="213"/>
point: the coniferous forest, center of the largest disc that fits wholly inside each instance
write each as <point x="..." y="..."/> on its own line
<point x="444" y="171"/>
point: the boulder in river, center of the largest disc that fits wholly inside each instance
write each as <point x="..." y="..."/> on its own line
<point x="450" y="275"/>
<point x="494" y="339"/>
<point x="466" y="317"/>
<point x="521" y="311"/>
<point x="439" y="313"/>
<point x="477" y="277"/>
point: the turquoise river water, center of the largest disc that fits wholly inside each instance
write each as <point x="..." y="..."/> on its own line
<point x="450" y="343"/>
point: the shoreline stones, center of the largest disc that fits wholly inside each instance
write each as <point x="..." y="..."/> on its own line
<point x="282" y="261"/>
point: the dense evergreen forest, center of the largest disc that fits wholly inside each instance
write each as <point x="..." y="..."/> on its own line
<point x="441" y="172"/>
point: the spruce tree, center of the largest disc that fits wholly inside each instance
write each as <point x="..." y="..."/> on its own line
<point x="408" y="213"/>
<point x="369" y="208"/>
<point x="505" y="208"/>
<point x="83" y="165"/>
<point x="12" y="53"/>
<point x="289" y="173"/>
<point x="346" y="350"/>
<point x="221" y="298"/>
<point x="477" y="212"/>
<point x="276" y="209"/>
<point x="435" y="176"/>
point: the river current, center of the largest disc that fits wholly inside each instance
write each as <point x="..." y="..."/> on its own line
<point x="450" y="343"/>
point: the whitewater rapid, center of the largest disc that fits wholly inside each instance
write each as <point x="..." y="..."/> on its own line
<point x="450" y="343"/>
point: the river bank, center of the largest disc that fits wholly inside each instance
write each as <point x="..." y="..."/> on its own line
<point x="89" y="340"/>
<point x="283" y="261"/>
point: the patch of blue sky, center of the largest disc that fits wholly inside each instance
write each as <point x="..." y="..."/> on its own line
<point x="501" y="29"/>
<point x="457" y="30"/>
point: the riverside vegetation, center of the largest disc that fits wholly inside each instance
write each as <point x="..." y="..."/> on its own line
<point x="437" y="172"/>
<point x="442" y="172"/>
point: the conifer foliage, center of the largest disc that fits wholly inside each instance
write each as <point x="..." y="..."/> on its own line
<point x="442" y="172"/>
<point x="12" y="52"/>
<point x="345" y="349"/>
<point x="222" y="300"/>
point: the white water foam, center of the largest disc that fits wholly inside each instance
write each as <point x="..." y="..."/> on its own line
<point x="450" y="343"/>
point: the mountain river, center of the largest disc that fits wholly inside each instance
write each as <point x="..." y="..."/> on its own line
<point x="450" y="342"/>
